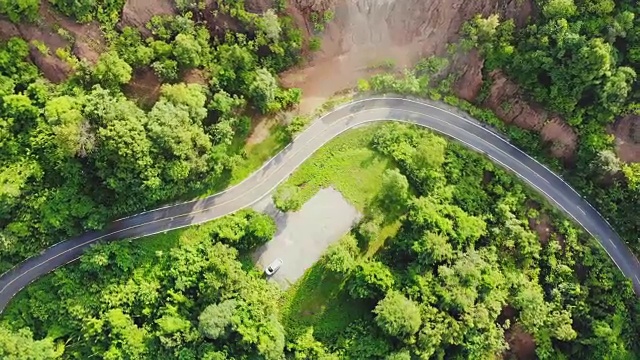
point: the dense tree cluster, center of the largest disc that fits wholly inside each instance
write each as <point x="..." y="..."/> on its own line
<point x="462" y="273"/>
<point x="465" y="270"/>
<point x="75" y="155"/>
<point x="579" y="59"/>
<point x="192" y="300"/>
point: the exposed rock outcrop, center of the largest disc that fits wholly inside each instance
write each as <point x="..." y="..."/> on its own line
<point x="56" y="31"/>
<point x="627" y="133"/>
<point x="137" y="13"/>
<point x="505" y="100"/>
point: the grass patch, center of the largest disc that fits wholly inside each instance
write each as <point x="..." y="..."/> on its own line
<point x="258" y="154"/>
<point x="387" y="231"/>
<point x="320" y="300"/>
<point x="348" y="164"/>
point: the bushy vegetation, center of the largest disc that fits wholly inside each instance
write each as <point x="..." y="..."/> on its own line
<point x="579" y="59"/>
<point x="610" y="185"/>
<point x="78" y="154"/>
<point x="106" y="12"/>
<point x="464" y="272"/>
<point x="461" y="272"/>
<point x="183" y="295"/>
<point x="20" y="10"/>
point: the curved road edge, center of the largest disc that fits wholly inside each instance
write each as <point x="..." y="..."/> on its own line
<point x="465" y="130"/>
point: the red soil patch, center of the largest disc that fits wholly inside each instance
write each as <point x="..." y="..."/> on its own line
<point x="365" y="32"/>
<point x="144" y="87"/>
<point x="542" y="227"/>
<point x="195" y="76"/>
<point x="88" y="39"/>
<point x="319" y="6"/>
<point x="627" y="133"/>
<point x="56" y="31"/>
<point x="522" y="345"/>
<point x="506" y="101"/>
<point x="540" y="224"/>
<point x="469" y="67"/>
<point x="137" y="13"/>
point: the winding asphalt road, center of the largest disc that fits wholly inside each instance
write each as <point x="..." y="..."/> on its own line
<point x="467" y="131"/>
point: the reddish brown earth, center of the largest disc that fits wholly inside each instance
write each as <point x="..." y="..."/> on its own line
<point x="542" y="227"/>
<point x="627" y="134"/>
<point x="319" y="6"/>
<point x="507" y="102"/>
<point x="136" y="13"/>
<point x="522" y="345"/>
<point x="365" y="32"/>
<point x="144" y="87"/>
<point x="56" y="31"/>
<point x="195" y="76"/>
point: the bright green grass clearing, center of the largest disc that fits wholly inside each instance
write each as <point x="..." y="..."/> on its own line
<point x="348" y="164"/>
<point x="320" y="299"/>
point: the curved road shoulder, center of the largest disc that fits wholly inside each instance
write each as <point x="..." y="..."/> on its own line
<point x="463" y="129"/>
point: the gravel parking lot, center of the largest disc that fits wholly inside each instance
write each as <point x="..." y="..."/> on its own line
<point x="303" y="236"/>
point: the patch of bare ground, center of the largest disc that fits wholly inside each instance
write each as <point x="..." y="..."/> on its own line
<point x="137" y="13"/>
<point x="56" y="31"/>
<point x="627" y="134"/>
<point x="507" y="102"/>
<point x="522" y="345"/>
<point x="144" y="87"/>
<point x="195" y="76"/>
<point x="541" y="223"/>
<point x="365" y="32"/>
<point x="261" y="127"/>
<point x="542" y="227"/>
<point x="468" y="66"/>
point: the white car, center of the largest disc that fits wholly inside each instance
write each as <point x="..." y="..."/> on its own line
<point x="273" y="267"/>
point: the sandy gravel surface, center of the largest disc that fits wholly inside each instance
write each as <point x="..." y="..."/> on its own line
<point x="303" y="236"/>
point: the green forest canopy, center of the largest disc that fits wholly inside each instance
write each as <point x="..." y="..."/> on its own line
<point x="462" y="275"/>
<point x="80" y="153"/>
<point x="77" y="154"/>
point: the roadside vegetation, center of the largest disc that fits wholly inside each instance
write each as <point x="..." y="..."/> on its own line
<point x="605" y="181"/>
<point x="179" y="295"/>
<point x="579" y="59"/>
<point x="454" y="258"/>
<point x="77" y="154"/>
<point x="464" y="274"/>
<point x="451" y="259"/>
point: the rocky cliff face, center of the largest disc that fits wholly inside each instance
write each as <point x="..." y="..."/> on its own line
<point x="507" y="102"/>
<point x="365" y="32"/>
<point x="320" y="6"/>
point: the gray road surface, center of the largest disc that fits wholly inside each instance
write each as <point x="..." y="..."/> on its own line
<point x="379" y="108"/>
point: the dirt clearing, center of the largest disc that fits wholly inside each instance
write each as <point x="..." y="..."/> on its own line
<point x="627" y="133"/>
<point x="137" y="13"/>
<point x="365" y="32"/>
